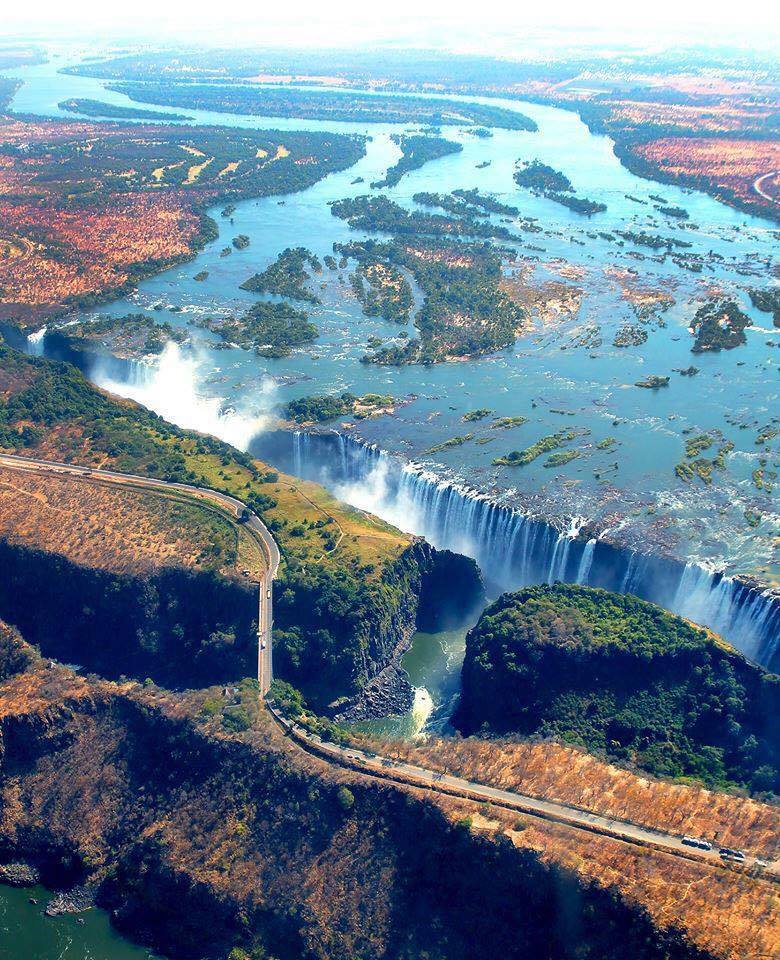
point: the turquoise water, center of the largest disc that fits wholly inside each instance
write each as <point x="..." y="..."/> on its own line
<point x="556" y="375"/>
<point x="26" y="934"/>
<point x="433" y="663"/>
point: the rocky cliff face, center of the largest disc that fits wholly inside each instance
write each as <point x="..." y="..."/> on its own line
<point x="187" y="628"/>
<point x="433" y="589"/>
<point x="199" y="841"/>
<point x="181" y="628"/>
<point x="334" y="640"/>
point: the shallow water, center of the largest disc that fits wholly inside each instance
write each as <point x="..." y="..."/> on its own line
<point x="630" y="489"/>
<point x="433" y="663"/>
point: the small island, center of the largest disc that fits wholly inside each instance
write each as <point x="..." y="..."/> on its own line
<point x="416" y="151"/>
<point x="113" y="111"/>
<point x="287" y="275"/>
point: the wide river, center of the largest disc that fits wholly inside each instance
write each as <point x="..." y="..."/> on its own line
<point x="566" y="372"/>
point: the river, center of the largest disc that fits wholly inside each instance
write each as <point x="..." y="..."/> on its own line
<point x="26" y="934"/>
<point x="564" y="373"/>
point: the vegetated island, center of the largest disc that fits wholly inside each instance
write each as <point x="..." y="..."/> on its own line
<point x="464" y="310"/>
<point x="287" y="275"/>
<point x="623" y="677"/>
<point x="114" y="111"/>
<point x="767" y="301"/>
<point x="551" y="183"/>
<point x="321" y="409"/>
<point x="382" y="290"/>
<point x="416" y="151"/>
<point x="129" y="336"/>
<point x="270" y="329"/>
<point x="324" y="105"/>
<point x="719" y="326"/>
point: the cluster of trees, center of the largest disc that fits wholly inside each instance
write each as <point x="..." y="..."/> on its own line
<point x="542" y="177"/>
<point x="625" y="678"/>
<point x="519" y="458"/>
<point x="131" y="333"/>
<point x="98" y="108"/>
<point x="232" y="163"/>
<point x="464" y="311"/>
<point x="578" y="204"/>
<point x="416" y="151"/>
<point x="768" y="301"/>
<point x="287" y="275"/>
<point x="270" y="329"/>
<point x="486" y="203"/>
<point x="383" y="291"/>
<point x="719" y="325"/>
<point x="380" y="214"/>
<point x="644" y="239"/>
<point x="551" y="183"/>
<point x="321" y="408"/>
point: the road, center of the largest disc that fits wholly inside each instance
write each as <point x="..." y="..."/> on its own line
<point x="253" y="524"/>
<point x="400" y="772"/>
<point x="759" y="189"/>
<point x="360" y="760"/>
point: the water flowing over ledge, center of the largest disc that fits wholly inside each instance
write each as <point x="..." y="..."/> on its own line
<point x="514" y="550"/>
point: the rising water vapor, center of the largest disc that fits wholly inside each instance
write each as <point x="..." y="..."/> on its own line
<point x="171" y="388"/>
<point x="515" y="550"/>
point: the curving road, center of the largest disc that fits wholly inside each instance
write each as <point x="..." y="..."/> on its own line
<point x="760" y="190"/>
<point x="360" y="760"/>
<point x="238" y="510"/>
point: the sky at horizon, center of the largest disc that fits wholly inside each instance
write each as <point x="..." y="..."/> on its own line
<point x="492" y="27"/>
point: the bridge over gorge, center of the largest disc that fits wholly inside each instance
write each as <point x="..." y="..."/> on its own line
<point x="362" y="760"/>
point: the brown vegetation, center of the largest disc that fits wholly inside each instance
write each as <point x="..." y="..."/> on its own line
<point x="568" y="775"/>
<point x="87" y="209"/>
<point x="729" y="168"/>
<point x="124" y="531"/>
<point x="732" y="916"/>
<point x="204" y="826"/>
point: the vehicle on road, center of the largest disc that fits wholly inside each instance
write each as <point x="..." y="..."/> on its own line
<point x="728" y="854"/>
<point x="696" y="842"/>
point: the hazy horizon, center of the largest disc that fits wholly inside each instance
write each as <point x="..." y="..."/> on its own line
<point x="496" y="31"/>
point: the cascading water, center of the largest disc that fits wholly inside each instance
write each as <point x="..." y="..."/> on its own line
<point x="514" y="550"/>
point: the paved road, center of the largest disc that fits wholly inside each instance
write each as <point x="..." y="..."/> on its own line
<point x="760" y="190"/>
<point x="360" y="760"/>
<point x="234" y="507"/>
<point x="401" y="772"/>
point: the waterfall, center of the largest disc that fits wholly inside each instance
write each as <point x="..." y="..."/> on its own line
<point x="35" y="342"/>
<point x="513" y="549"/>
<point x="586" y="562"/>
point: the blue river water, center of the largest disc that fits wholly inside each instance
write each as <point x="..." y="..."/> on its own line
<point x="565" y="372"/>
